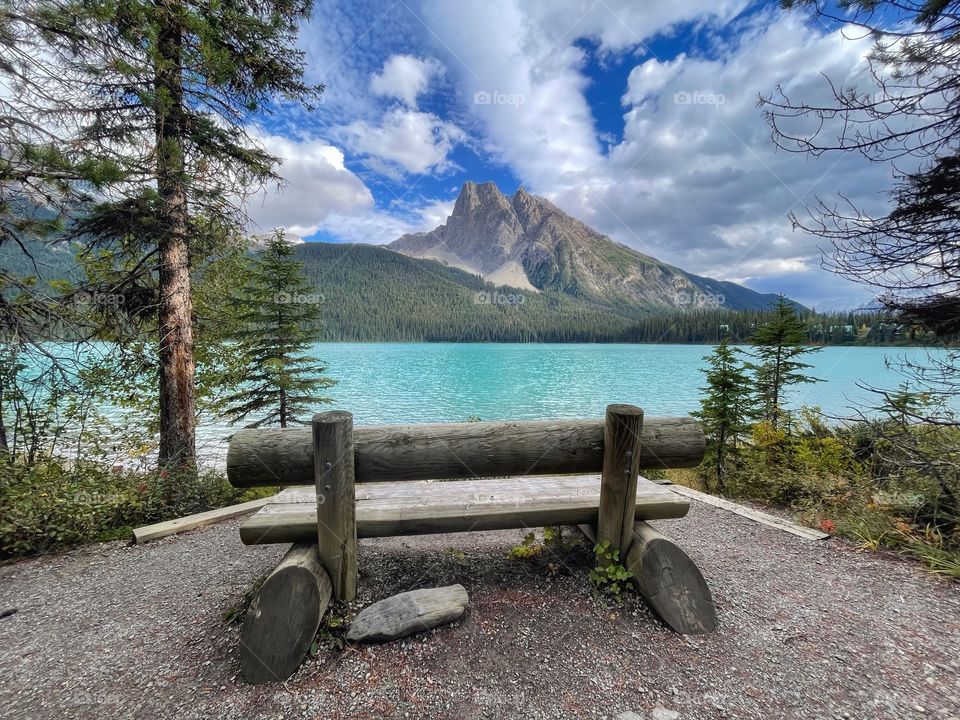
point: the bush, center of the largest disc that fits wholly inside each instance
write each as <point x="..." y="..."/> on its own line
<point x="56" y="503"/>
<point x="880" y="486"/>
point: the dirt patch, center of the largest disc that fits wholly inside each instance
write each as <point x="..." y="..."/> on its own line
<point x="807" y="629"/>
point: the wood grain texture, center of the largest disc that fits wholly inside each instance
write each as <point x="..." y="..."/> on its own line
<point x="407" y="613"/>
<point x="387" y="509"/>
<point x="283" y="618"/>
<point x="335" y="500"/>
<point x="621" y="467"/>
<point x="259" y="457"/>
<point x="190" y="522"/>
<point x="668" y="580"/>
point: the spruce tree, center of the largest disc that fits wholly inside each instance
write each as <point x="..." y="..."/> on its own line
<point x="159" y="97"/>
<point x="726" y="409"/>
<point x="280" y="313"/>
<point x="778" y="346"/>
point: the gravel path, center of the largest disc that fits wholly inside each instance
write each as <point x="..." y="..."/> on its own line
<point x="808" y="630"/>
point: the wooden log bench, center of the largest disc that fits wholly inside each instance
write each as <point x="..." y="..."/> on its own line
<point x="388" y="509"/>
<point x="345" y="483"/>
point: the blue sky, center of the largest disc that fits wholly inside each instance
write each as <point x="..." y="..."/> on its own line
<point x="638" y="118"/>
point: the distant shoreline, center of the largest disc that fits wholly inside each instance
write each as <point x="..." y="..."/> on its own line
<point x="904" y="346"/>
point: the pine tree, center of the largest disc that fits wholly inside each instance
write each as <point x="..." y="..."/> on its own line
<point x="158" y="97"/>
<point x="778" y="346"/>
<point x="280" y="313"/>
<point x="726" y="409"/>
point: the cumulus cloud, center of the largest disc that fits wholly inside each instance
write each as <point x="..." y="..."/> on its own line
<point x="695" y="179"/>
<point x="380" y="227"/>
<point x="317" y="184"/>
<point x="524" y="88"/>
<point x="624" y="24"/>
<point x="404" y="77"/>
<point x="413" y="141"/>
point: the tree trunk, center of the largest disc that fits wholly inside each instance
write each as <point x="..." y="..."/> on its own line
<point x="775" y="414"/>
<point x="177" y="400"/>
<point x="4" y="448"/>
<point x="721" y="458"/>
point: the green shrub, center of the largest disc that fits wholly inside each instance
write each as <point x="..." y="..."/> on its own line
<point x="879" y="484"/>
<point x="609" y="577"/>
<point x="56" y="503"/>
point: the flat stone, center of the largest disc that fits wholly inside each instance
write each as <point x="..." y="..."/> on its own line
<point x="662" y="713"/>
<point x="408" y="613"/>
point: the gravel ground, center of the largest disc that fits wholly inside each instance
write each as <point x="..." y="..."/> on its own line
<point x="808" y="630"/>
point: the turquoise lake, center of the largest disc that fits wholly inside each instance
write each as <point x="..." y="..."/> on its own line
<point x="450" y="382"/>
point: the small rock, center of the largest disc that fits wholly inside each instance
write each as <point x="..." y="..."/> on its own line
<point x="407" y="613"/>
<point x="629" y="715"/>
<point x="662" y="713"/>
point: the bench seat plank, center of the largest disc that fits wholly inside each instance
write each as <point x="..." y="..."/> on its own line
<point x="420" y="507"/>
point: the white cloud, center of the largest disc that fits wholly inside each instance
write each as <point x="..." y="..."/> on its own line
<point x="415" y="141"/>
<point x="697" y="183"/>
<point x="405" y="77"/>
<point x="529" y="88"/>
<point x="346" y="43"/>
<point x="380" y="227"/>
<point x="317" y="185"/>
<point x="695" y="179"/>
<point x="624" y="24"/>
<point x="433" y="214"/>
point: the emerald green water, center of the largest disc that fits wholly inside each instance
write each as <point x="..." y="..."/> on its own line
<point x="383" y="383"/>
<point x="450" y="382"/>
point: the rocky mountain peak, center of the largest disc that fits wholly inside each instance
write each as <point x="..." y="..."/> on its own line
<point x="527" y="242"/>
<point x="528" y="209"/>
<point x="474" y="196"/>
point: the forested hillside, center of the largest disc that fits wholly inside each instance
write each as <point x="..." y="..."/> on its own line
<point x="375" y="294"/>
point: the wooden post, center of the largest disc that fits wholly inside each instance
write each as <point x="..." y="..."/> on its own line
<point x="336" y="501"/>
<point x="283" y="618"/>
<point x="618" y="483"/>
<point x="668" y="580"/>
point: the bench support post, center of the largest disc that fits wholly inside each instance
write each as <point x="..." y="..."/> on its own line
<point x="668" y="580"/>
<point x="336" y="500"/>
<point x="618" y="484"/>
<point x="283" y="617"/>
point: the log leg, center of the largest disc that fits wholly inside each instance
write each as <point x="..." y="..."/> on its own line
<point x="618" y="483"/>
<point x="668" y="580"/>
<point x="283" y="618"/>
<point x="336" y="500"/>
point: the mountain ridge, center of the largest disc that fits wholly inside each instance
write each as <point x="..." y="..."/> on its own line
<point x="527" y="242"/>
